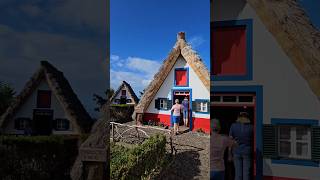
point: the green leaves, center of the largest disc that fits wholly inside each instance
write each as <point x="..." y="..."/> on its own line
<point x="138" y="162"/>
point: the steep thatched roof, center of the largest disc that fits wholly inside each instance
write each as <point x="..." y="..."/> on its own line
<point x="181" y="48"/>
<point x="293" y="30"/>
<point x="130" y="91"/>
<point x="61" y="88"/>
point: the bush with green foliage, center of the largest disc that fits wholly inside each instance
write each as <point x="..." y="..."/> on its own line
<point x="121" y="113"/>
<point x="137" y="162"/>
<point x="37" y="157"/>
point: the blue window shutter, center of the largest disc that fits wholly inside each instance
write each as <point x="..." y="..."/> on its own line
<point x="169" y="104"/>
<point x="67" y="124"/>
<point x="270" y="141"/>
<point x="17" y="123"/>
<point x="54" y="124"/>
<point x="315" y="143"/>
<point x="157" y="104"/>
<point x="194" y="106"/>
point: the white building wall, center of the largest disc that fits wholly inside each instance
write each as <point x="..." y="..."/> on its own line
<point x="119" y="95"/>
<point x="199" y="91"/>
<point x="285" y="93"/>
<point x="26" y="110"/>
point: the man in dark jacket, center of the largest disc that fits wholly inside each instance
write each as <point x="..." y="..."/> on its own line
<point x="242" y="132"/>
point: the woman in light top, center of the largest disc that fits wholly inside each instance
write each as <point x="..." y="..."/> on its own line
<point x="176" y="116"/>
<point x="218" y="144"/>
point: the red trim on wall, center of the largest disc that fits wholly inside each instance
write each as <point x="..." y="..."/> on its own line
<point x="278" y="178"/>
<point x="198" y="123"/>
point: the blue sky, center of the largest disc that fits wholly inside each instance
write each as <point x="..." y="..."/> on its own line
<point x="142" y="33"/>
<point x="312" y="9"/>
<point x="70" y="34"/>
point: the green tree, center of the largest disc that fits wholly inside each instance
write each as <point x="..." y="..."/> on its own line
<point x="100" y="100"/>
<point x="6" y="96"/>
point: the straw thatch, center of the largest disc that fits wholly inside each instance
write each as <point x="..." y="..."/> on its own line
<point x="293" y="30"/>
<point x="61" y="88"/>
<point x="181" y="48"/>
<point x="130" y="91"/>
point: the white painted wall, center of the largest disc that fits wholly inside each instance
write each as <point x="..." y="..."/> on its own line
<point x="199" y="91"/>
<point x="285" y="93"/>
<point x="127" y="94"/>
<point x="26" y="110"/>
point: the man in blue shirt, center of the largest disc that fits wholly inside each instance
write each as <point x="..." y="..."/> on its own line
<point x="242" y="132"/>
<point x="185" y="104"/>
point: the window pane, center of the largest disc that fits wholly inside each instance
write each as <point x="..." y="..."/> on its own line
<point x="302" y="149"/>
<point x="229" y="98"/>
<point x="284" y="132"/>
<point x="285" y="148"/>
<point x="245" y="98"/>
<point x="216" y="98"/>
<point x="302" y="133"/>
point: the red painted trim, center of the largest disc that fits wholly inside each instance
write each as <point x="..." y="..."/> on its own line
<point x="279" y="178"/>
<point x="198" y="123"/>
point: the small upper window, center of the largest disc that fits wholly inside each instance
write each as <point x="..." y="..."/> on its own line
<point x="123" y="92"/>
<point x="181" y="77"/>
<point x="129" y="101"/>
<point x="44" y="99"/>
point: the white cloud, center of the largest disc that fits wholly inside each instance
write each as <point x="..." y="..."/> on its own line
<point x="196" y="41"/>
<point x="150" y="67"/>
<point x="114" y="57"/>
<point x="137" y="71"/>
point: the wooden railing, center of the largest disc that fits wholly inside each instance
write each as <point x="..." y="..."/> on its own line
<point x="138" y="132"/>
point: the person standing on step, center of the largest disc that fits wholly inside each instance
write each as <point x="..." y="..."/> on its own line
<point x="218" y="144"/>
<point x="176" y="116"/>
<point x="185" y="105"/>
<point x="242" y="132"/>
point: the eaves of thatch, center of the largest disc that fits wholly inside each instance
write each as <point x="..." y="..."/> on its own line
<point x="61" y="88"/>
<point x="287" y="21"/>
<point x="130" y="91"/>
<point x="181" y="48"/>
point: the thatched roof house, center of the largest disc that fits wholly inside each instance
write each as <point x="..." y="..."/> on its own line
<point x="181" y="56"/>
<point x="266" y="61"/>
<point x="59" y="102"/>
<point x="124" y="95"/>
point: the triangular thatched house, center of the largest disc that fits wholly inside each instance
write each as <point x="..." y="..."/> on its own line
<point x="182" y="74"/>
<point x="46" y="105"/>
<point x="124" y="95"/>
<point x="266" y="61"/>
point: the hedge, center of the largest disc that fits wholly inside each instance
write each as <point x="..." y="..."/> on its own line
<point x="37" y="157"/>
<point x="137" y="162"/>
<point x="121" y="113"/>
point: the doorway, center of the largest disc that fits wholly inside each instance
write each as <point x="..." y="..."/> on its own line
<point x="42" y="122"/>
<point x="180" y="95"/>
<point x="226" y="108"/>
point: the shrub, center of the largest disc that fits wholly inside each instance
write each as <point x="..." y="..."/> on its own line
<point x="37" y="157"/>
<point x="121" y="113"/>
<point x="137" y="162"/>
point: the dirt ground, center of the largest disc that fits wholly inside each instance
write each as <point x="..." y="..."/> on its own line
<point x="191" y="157"/>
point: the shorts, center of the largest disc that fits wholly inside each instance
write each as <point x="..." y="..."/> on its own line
<point x="175" y="119"/>
<point x="217" y="175"/>
<point x="185" y="114"/>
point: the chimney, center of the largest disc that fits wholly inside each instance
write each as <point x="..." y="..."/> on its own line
<point x="181" y="35"/>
